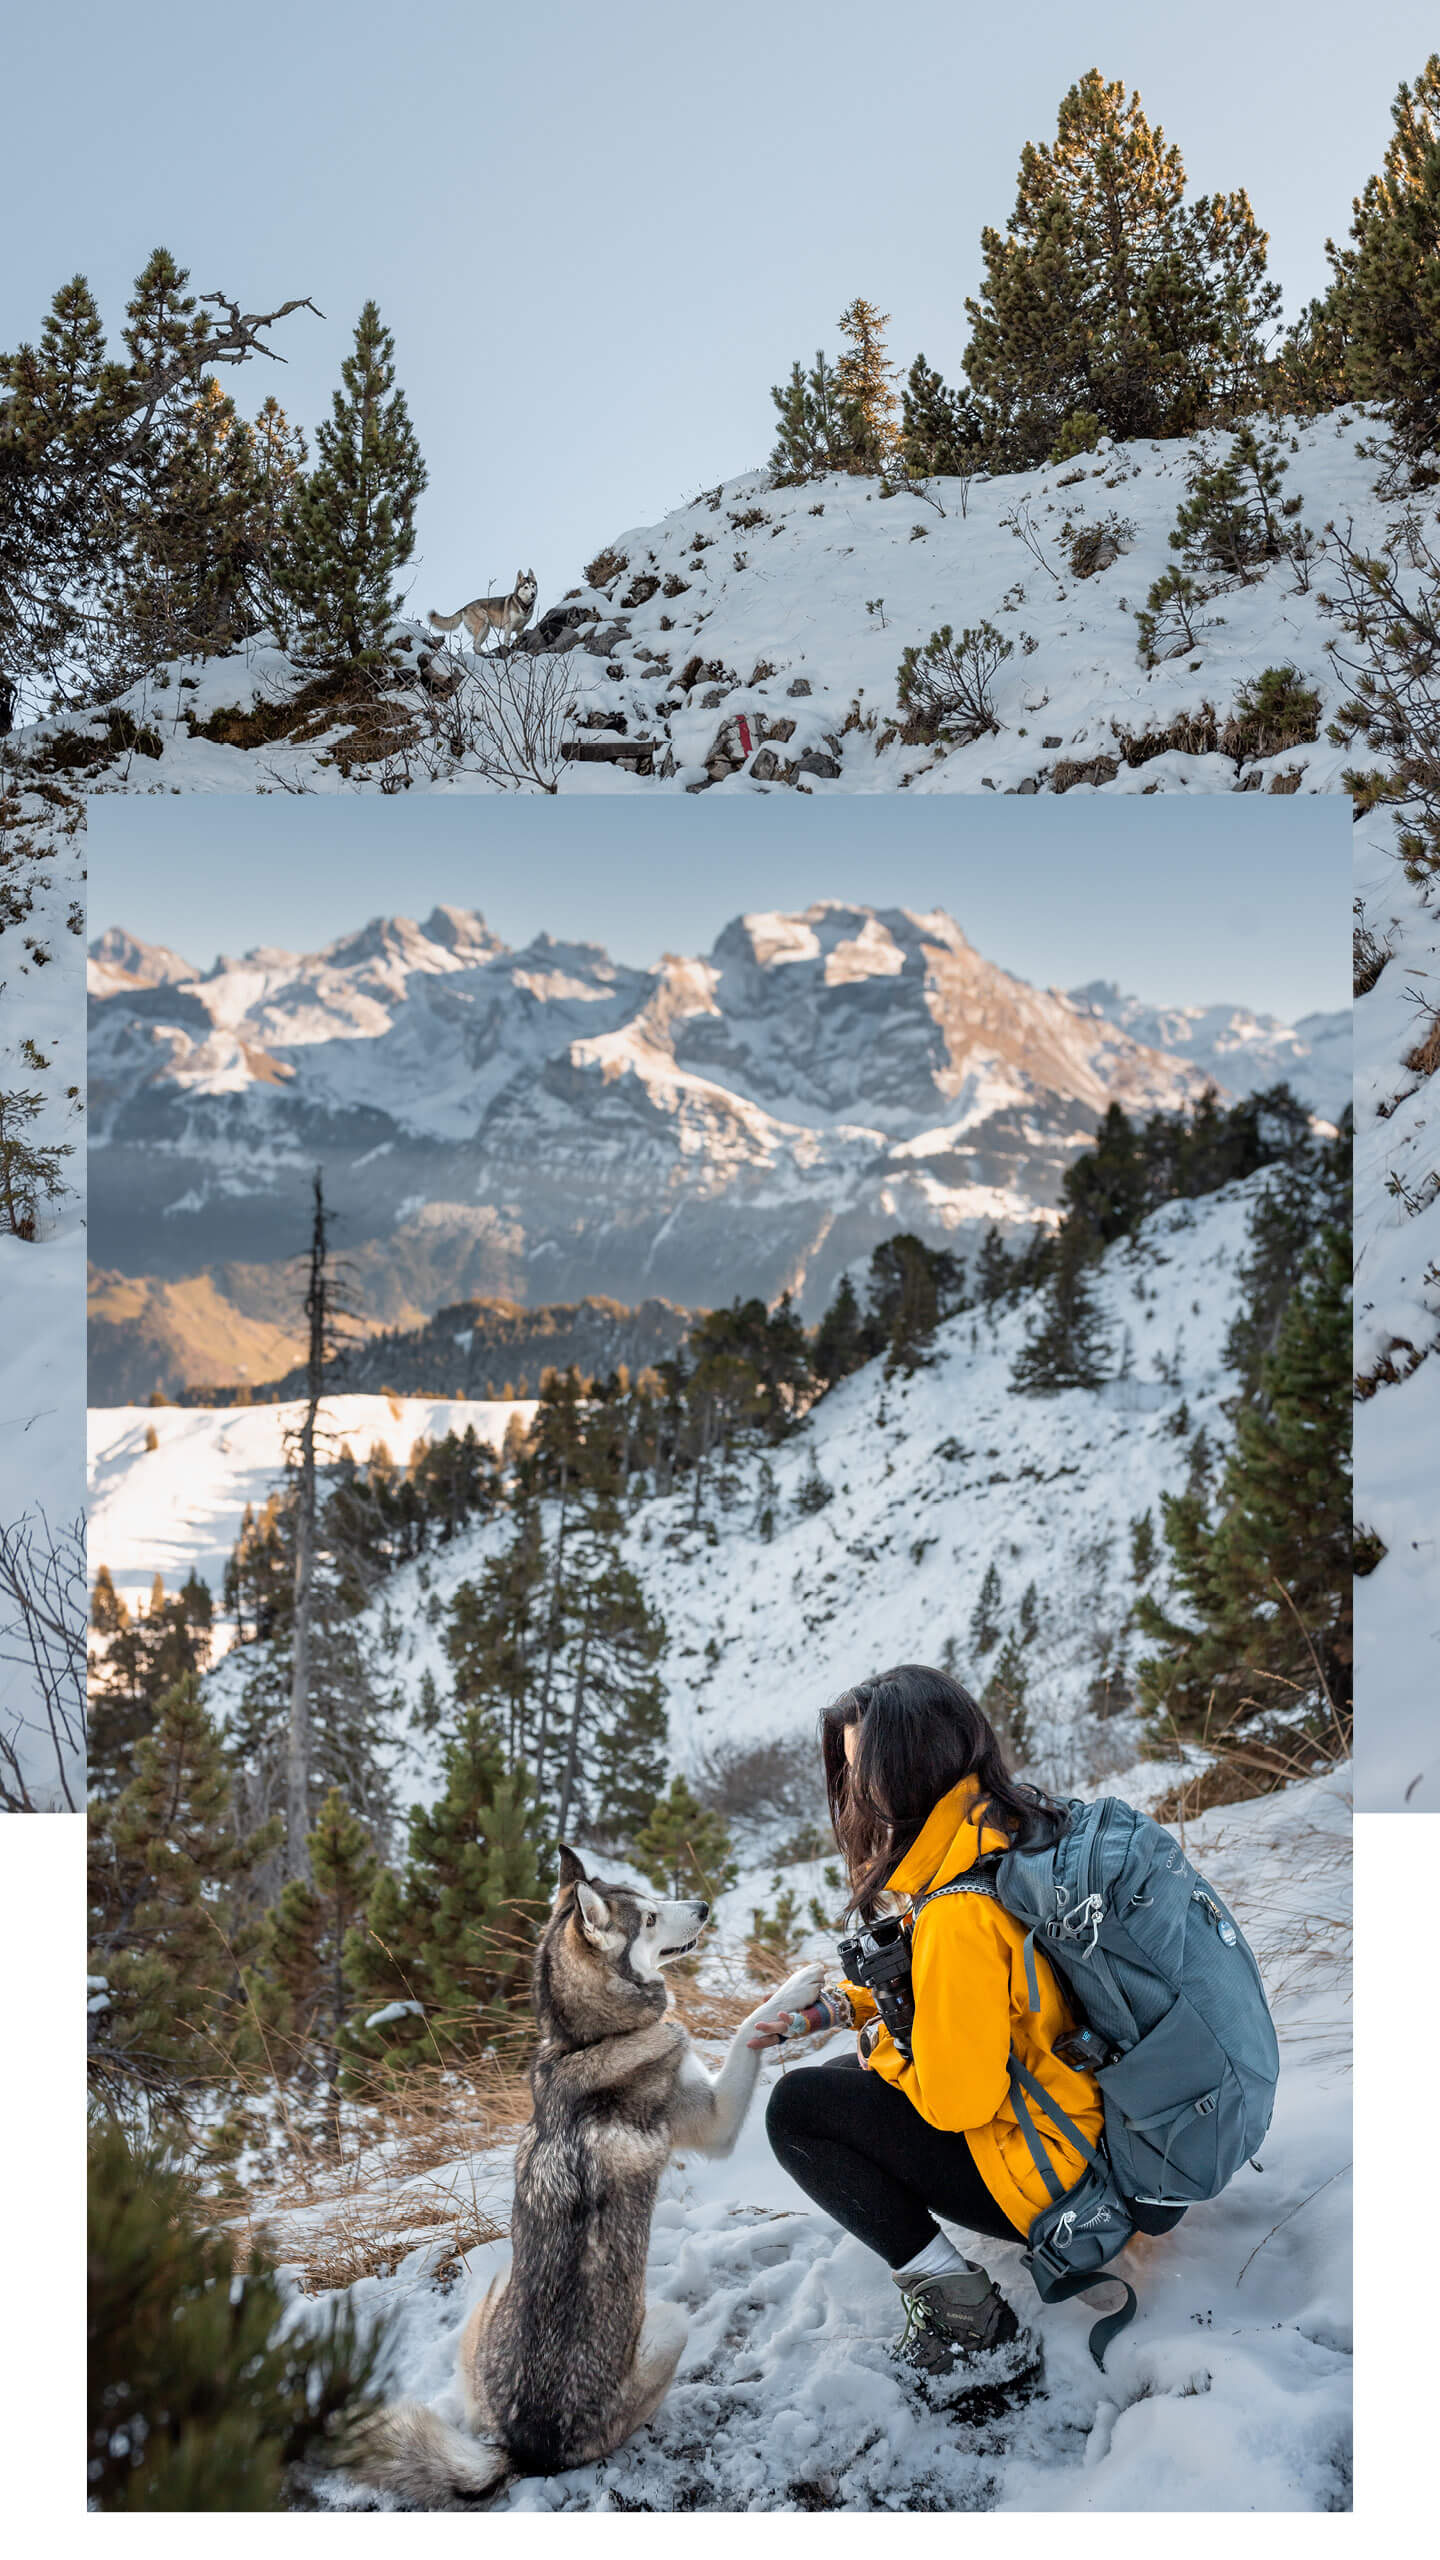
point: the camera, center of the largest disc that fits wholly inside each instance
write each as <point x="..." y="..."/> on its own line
<point x="877" y="1956"/>
<point x="1080" y="2049"/>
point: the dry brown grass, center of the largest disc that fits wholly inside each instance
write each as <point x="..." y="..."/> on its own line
<point x="1249" y="1749"/>
<point x="425" y="2161"/>
<point x="354" y="2242"/>
<point x="1424" y="1058"/>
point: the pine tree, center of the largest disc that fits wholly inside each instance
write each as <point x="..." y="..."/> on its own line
<point x="495" y="1631"/>
<point x="627" y="1759"/>
<point x="187" y="588"/>
<point x="139" y="1657"/>
<point x="351" y="525"/>
<point x="1066" y="1348"/>
<point x="169" y="1880"/>
<point x="820" y="432"/>
<point x="388" y="2030"/>
<point x="985" y="1616"/>
<point x="56" y="531"/>
<point x="683" y="1848"/>
<point x="616" y="1700"/>
<point x="1106" y="299"/>
<point x="204" y="2393"/>
<point x="1003" y="1700"/>
<point x="108" y="1612"/>
<point x="1106" y="1190"/>
<point x="1386" y="291"/>
<point x="839" y="1345"/>
<point x="94" y="453"/>
<point x="1307" y="1191"/>
<point x="29" y="1172"/>
<point x="1143" y="1548"/>
<point x="941" y="432"/>
<point x="1265" y="1582"/>
<point x="912" y="1285"/>
<point x="1233" y="521"/>
<point x="302" y="1990"/>
<point x="863" y="379"/>
<point x="259" y="1575"/>
<point x="994" y="1269"/>
<point x="278" y="457"/>
<point x="1029" y="1613"/>
<point x="472" y="1889"/>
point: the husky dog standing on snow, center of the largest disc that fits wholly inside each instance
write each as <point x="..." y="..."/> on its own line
<point x="564" y="2358"/>
<point x="507" y="615"/>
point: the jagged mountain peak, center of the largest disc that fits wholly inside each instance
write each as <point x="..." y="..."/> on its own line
<point x="120" y="959"/>
<point x="450" y="936"/>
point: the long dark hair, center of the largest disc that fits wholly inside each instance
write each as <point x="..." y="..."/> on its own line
<point x="920" y="1734"/>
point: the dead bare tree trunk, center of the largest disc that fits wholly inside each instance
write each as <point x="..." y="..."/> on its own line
<point x="577" y="1711"/>
<point x="553" y="1629"/>
<point x="297" y="1757"/>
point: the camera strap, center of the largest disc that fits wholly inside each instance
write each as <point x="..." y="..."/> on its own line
<point x="982" y="1881"/>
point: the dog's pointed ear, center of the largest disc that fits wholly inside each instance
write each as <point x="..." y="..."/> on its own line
<point x="594" y="1911"/>
<point x="571" y="1872"/>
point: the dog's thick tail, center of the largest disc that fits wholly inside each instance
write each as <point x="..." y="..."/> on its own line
<point x="411" y="2454"/>
<point x="446" y="621"/>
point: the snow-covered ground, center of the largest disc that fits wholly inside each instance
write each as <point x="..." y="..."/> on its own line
<point x="176" y="1509"/>
<point x="1231" y="2390"/>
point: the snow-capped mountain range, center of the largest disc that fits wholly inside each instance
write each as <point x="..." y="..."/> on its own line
<point x="761" y="1115"/>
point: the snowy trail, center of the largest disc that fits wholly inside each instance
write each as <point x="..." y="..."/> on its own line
<point x="1229" y="2392"/>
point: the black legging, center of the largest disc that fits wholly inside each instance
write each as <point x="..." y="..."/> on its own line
<point x="861" y="2150"/>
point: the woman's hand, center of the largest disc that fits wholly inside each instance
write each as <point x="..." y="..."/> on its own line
<point x="773" y="2031"/>
<point x="773" y="2022"/>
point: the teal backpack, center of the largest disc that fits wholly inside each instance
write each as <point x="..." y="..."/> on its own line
<point x="1184" y="2049"/>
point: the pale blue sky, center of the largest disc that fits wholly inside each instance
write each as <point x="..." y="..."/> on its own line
<point x="600" y="235"/>
<point x="1233" y="897"/>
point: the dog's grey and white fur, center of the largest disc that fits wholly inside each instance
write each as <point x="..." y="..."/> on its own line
<point x="506" y="615"/>
<point x="564" y="2358"/>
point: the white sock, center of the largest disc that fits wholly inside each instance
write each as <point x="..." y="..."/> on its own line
<point x="939" y="2257"/>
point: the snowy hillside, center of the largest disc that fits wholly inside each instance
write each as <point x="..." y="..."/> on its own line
<point x="1231" y="2391"/>
<point x="768" y="616"/>
<point x="42" y="1282"/>
<point x="926" y="1481"/>
<point x="176" y="1509"/>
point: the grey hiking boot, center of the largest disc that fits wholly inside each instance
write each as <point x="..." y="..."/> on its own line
<point x="951" y="2318"/>
<point x="965" y="2346"/>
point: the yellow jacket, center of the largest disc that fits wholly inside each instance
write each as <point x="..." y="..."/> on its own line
<point x="972" y="2004"/>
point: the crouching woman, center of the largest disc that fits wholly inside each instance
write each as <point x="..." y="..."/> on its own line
<point x="885" y="2140"/>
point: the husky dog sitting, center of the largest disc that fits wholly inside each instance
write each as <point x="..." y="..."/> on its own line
<point x="506" y="615"/>
<point x="564" y="2358"/>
